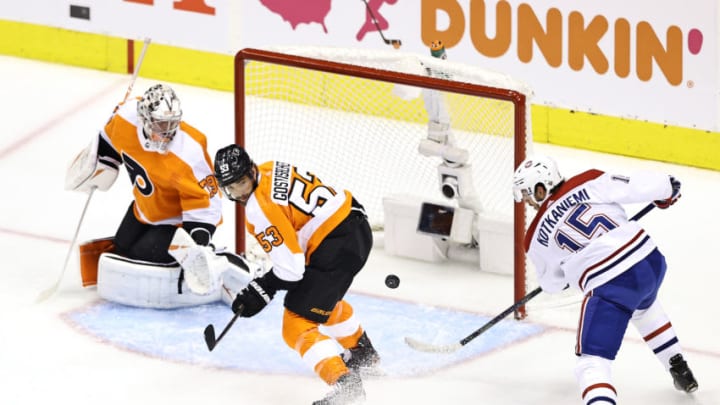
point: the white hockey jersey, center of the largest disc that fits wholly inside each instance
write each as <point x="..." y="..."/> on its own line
<point x="581" y="235"/>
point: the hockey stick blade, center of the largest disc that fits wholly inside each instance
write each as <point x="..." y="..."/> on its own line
<point x="430" y="348"/>
<point x="209" y="331"/>
<point x="45" y="294"/>
<point x="396" y="43"/>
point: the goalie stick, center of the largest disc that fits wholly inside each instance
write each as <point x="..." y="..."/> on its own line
<point x="396" y="43"/>
<point x="50" y="291"/>
<point x="45" y="294"/>
<point x="209" y="331"/>
<point x="450" y="348"/>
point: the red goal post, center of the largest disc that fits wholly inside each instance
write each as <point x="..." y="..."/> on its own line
<point x="296" y="104"/>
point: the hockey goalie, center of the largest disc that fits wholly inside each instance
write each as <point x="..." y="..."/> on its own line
<point x="161" y="255"/>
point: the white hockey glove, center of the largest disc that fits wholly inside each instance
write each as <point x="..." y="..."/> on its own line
<point x="201" y="266"/>
<point x="259" y="258"/>
<point x="238" y="275"/>
<point x="86" y="172"/>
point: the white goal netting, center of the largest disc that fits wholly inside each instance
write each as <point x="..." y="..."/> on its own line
<point x="355" y="118"/>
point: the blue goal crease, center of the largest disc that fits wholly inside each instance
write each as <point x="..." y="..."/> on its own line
<point x="177" y="334"/>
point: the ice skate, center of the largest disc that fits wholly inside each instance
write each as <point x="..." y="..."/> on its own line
<point x="347" y="390"/>
<point x="682" y="376"/>
<point x="363" y="358"/>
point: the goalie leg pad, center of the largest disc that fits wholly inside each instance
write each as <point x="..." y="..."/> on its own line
<point x="89" y="255"/>
<point x="144" y="284"/>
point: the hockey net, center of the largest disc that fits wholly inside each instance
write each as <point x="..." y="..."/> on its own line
<point x="355" y="118"/>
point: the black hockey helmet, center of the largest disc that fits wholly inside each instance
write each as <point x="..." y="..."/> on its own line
<point x="231" y="164"/>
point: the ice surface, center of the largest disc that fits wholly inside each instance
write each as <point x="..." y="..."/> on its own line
<point x="78" y="349"/>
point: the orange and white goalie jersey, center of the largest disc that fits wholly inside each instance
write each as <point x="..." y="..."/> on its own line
<point x="290" y="213"/>
<point x="170" y="188"/>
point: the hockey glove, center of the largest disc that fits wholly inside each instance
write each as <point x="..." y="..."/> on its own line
<point x="675" y="183"/>
<point x="259" y="293"/>
<point x="253" y="298"/>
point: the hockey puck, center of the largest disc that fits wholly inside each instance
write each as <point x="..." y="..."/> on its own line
<point x="392" y="281"/>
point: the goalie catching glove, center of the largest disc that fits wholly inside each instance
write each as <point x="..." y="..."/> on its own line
<point x="253" y="298"/>
<point x="88" y="171"/>
<point x="675" y="184"/>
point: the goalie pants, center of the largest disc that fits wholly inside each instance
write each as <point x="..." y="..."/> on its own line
<point x="607" y="310"/>
<point x="332" y="267"/>
<point x="139" y="241"/>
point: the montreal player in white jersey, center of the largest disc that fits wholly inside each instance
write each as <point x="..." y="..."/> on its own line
<point x="581" y="238"/>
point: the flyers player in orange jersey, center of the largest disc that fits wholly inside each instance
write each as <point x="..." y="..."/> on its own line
<point x="174" y="190"/>
<point x="171" y="173"/>
<point x="317" y="238"/>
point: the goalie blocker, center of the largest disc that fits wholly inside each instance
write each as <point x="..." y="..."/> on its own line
<point x="155" y="285"/>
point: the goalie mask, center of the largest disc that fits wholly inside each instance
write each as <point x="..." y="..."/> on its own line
<point x="531" y="173"/>
<point x="160" y="114"/>
<point x="235" y="174"/>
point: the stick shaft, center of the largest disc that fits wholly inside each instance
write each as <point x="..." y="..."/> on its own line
<point x="77" y="228"/>
<point x="524" y="300"/>
<point x="377" y="25"/>
<point x="50" y="291"/>
<point x="642" y="212"/>
<point x="136" y="70"/>
<point x="374" y="20"/>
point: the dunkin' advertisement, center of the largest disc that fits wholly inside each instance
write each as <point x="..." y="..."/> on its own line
<point x="648" y="60"/>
